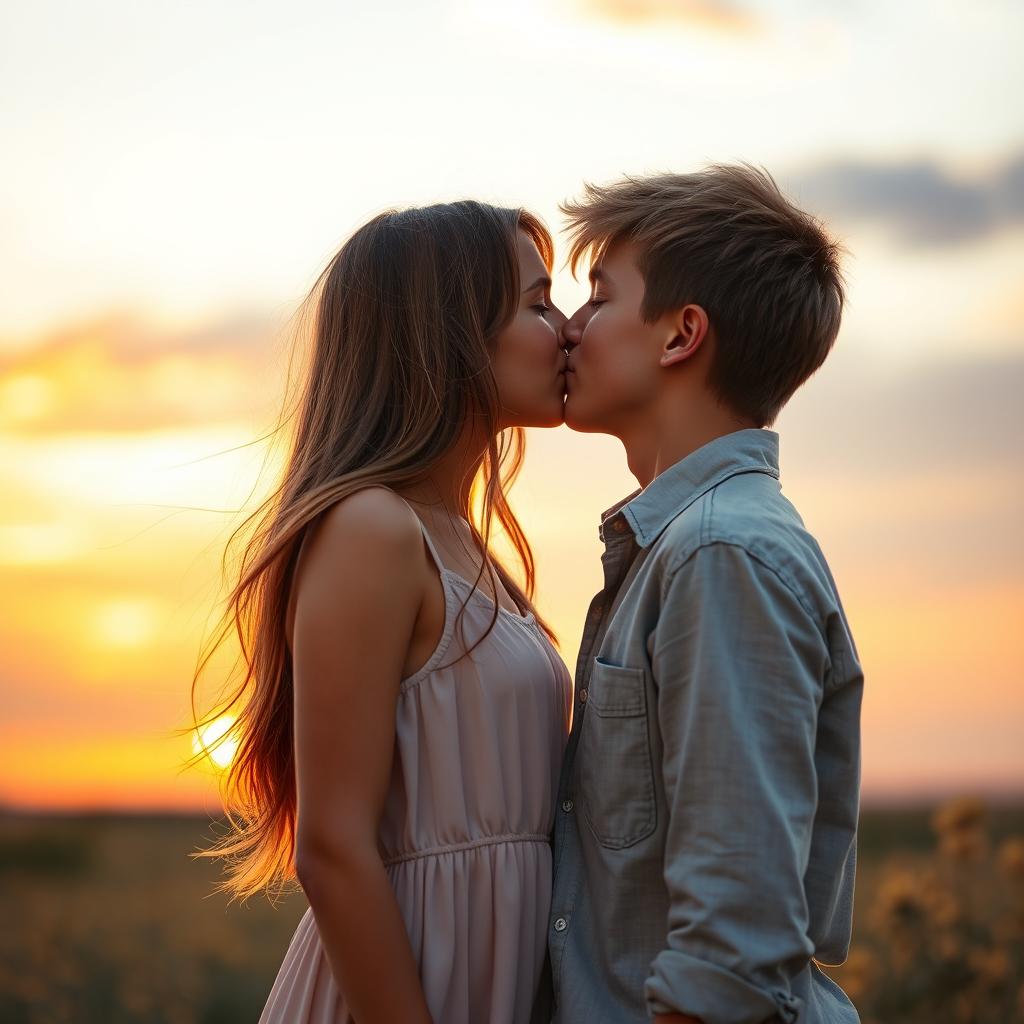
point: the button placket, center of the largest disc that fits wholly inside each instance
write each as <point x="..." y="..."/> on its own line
<point x="616" y="561"/>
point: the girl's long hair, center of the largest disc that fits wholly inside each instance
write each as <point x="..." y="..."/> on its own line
<point x="404" y="321"/>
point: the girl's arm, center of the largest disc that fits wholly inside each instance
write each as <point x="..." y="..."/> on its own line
<point x="359" y="587"/>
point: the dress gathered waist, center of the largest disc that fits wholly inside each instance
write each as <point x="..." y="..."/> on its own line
<point x="469" y="844"/>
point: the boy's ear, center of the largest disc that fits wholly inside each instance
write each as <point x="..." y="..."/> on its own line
<point x="688" y="328"/>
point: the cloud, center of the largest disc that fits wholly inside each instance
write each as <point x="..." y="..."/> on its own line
<point x="947" y="415"/>
<point x="716" y="15"/>
<point x="916" y="471"/>
<point x="122" y="374"/>
<point x="921" y="201"/>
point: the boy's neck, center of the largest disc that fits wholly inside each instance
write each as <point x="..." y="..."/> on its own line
<point x="657" y="443"/>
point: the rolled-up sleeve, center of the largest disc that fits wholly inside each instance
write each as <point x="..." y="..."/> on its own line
<point x="739" y="664"/>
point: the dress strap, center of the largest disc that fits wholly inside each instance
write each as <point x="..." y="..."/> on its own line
<point x="426" y="536"/>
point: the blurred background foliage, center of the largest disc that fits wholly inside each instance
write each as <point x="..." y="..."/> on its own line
<point x="109" y="921"/>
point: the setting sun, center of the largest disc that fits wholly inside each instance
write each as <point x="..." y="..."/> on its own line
<point x="126" y="622"/>
<point x="214" y="740"/>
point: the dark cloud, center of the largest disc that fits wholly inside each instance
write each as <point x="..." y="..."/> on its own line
<point x="945" y="415"/>
<point x="926" y="460"/>
<point x="922" y="201"/>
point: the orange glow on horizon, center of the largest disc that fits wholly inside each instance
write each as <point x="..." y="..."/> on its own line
<point x="116" y="515"/>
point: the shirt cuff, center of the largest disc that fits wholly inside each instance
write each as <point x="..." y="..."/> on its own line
<point x="715" y="995"/>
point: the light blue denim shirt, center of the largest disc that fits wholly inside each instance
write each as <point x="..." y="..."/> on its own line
<point x="705" y="841"/>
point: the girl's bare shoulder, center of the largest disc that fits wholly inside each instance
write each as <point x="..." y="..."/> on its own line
<point x="370" y="534"/>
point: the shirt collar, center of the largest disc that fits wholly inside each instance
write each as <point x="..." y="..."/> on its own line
<point x="649" y="510"/>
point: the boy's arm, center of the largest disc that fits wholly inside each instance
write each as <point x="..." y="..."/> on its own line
<point x="739" y="667"/>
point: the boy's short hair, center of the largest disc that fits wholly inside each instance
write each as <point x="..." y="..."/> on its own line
<point x="726" y="239"/>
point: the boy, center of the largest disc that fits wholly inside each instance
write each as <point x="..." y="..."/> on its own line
<point x="705" y="839"/>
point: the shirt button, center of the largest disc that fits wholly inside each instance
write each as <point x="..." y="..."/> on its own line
<point x="619" y="526"/>
<point x="583" y="695"/>
<point x="561" y="924"/>
<point x="567" y="806"/>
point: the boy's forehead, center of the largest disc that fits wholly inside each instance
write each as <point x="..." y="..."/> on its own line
<point x="615" y="259"/>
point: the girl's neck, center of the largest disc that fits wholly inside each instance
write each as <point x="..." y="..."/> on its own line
<point x="445" y="491"/>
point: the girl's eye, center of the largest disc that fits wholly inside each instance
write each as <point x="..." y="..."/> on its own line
<point x="541" y="308"/>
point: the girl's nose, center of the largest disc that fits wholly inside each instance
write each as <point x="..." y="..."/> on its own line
<point x="572" y="331"/>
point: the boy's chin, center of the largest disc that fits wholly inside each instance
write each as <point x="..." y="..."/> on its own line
<point x="577" y="420"/>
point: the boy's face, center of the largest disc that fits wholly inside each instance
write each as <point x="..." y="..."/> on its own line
<point x="613" y="355"/>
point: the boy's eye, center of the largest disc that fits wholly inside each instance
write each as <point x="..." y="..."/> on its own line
<point x="596" y="302"/>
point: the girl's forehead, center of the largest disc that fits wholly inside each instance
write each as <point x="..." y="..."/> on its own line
<point x="529" y="258"/>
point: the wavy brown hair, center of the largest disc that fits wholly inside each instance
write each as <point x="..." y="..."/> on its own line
<point x="403" y="323"/>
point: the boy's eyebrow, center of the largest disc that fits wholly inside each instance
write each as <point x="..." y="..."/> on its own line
<point x="542" y="280"/>
<point x="597" y="274"/>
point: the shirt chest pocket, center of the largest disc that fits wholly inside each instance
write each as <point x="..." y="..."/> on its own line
<point x="616" y="776"/>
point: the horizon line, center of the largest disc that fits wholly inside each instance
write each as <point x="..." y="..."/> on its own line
<point x="895" y="800"/>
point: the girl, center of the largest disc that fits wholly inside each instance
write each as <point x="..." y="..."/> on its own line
<point x="406" y="709"/>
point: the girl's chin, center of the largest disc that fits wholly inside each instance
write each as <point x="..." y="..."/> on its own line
<point x="556" y="414"/>
<point x="552" y="416"/>
<point x="555" y="419"/>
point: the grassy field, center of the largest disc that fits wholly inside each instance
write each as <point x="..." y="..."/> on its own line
<point x="108" y="920"/>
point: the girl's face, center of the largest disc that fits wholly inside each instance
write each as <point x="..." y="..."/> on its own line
<point x="528" y="361"/>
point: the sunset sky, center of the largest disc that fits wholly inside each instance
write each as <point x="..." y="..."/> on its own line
<point x="175" y="176"/>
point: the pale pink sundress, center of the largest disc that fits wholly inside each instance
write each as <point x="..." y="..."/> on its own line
<point x="465" y="833"/>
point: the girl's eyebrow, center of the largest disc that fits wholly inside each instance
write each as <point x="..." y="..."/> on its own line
<point x="542" y="280"/>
